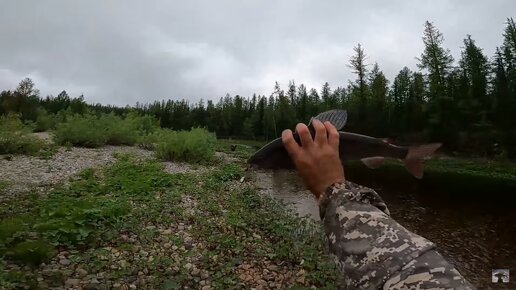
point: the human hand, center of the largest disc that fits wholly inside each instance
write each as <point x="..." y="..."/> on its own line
<point x="317" y="160"/>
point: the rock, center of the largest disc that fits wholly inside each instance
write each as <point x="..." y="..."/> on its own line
<point x="301" y="280"/>
<point x="206" y="287"/>
<point x="188" y="245"/>
<point x="144" y="253"/>
<point x="167" y="245"/>
<point x="72" y="282"/>
<point x="167" y="232"/>
<point x="174" y="247"/>
<point x="205" y="275"/>
<point x="64" y="262"/>
<point x="91" y="286"/>
<point x="300" y="273"/>
<point x="188" y="266"/>
<point x="195" y="272"/>
<point x="262" y="282"/>
<point x="81" y="272"/>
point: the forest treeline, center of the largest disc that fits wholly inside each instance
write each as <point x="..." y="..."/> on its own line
<point x="468" y="104"/>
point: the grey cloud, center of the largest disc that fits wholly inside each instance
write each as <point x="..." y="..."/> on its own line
<point x="120" y="52"/>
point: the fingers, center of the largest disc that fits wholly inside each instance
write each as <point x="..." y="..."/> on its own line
<point x="304" y="135"/>
<point x="333" y="134"/>
<point x="290" y="144"/>
<point x="320" y="132"/>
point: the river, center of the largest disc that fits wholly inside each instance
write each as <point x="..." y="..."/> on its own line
<point x="476" y="235"/>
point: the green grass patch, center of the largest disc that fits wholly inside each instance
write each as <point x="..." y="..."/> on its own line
<point x="3" y="185"/>
<point x="77" y="214"/>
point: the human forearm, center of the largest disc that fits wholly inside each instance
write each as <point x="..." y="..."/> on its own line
<point x="372" y="250"/>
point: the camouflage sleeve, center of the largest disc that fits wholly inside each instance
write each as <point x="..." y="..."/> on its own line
<point x="373" y="251"/>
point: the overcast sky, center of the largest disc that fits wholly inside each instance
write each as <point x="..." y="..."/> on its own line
<point x="121" y="52"/>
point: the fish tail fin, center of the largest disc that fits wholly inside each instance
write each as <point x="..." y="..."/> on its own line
<point x="415" y="158"/>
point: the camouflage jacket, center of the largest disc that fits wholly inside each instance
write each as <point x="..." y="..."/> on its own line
<point x="373" y="251"/>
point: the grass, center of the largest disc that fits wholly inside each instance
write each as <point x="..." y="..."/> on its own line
<point x="129" y="207"/>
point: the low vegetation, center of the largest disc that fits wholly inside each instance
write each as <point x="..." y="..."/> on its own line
<point x="133" y="219"/>
<point x="91" y="130"/>
<point x="195" y="146"/>
<point x="15" y="138"/>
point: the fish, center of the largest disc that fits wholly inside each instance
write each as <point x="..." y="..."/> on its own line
<point x="352" y="146"/>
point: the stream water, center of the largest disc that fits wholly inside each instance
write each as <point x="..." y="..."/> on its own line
<point x="475" y="235"/>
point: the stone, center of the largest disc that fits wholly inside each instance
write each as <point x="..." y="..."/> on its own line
<point x="207" y="287"/>
<point x="167" y="245"/>
<point x="64" y="262"/>
<point x="81" y="272"/>
<point x="167" y="232"/>
<point x="205" y="275"/>
<point x="72" y="282"/>
<point x="188" y="266"/>
<point x="196" y="272"/>
<point x="144" y="253"/>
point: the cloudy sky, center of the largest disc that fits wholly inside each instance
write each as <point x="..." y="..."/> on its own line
<point x="120" y="52"/>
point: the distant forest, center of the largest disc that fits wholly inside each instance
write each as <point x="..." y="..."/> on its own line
<point x="469" y="105"/>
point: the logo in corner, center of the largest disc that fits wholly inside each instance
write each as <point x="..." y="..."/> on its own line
<point x="500" y="276"/>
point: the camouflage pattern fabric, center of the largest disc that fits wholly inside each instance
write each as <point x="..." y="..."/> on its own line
<point x="373" y="251"/>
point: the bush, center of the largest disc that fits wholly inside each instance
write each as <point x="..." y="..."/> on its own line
<point x="95" y="131"/>
<point x="117" y="130"/>
<point x="15" y="138"/>
<point x="195" y="146"/>
<point x="80" y="131"/>
<point x="44" y="121"/>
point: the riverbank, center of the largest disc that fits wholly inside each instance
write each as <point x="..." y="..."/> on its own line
<point x="117" y="218"/>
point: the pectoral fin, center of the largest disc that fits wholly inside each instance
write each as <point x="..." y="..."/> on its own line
<point x="373" y="162"/>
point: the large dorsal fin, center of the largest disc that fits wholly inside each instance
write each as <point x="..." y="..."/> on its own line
<point x="337" y="117"/>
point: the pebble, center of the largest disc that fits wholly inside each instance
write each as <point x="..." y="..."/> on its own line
<point x="81" y="272"/>
<point x="188" y="266"/>
<point x="196" y="272"/>
<point x="205" y="275"/>
<point x="72" y="282"/>
<point x="64" y="262"/>
<point x="206" y="287"/>
<point x="167" y="232"/>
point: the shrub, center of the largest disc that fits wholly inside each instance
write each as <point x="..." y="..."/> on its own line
<point x="195" y="146"/>
<point x="80" y="131"/>
<point x="95" y="131"/>
<point x="44" y="121"/>
<point x="117" y="130"/>
<point x="15" y="138"/>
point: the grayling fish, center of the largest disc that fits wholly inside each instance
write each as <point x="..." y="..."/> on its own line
<point x="371" y="151"/>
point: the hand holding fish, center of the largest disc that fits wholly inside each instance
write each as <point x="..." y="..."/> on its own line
<point x="317" y="159"/>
